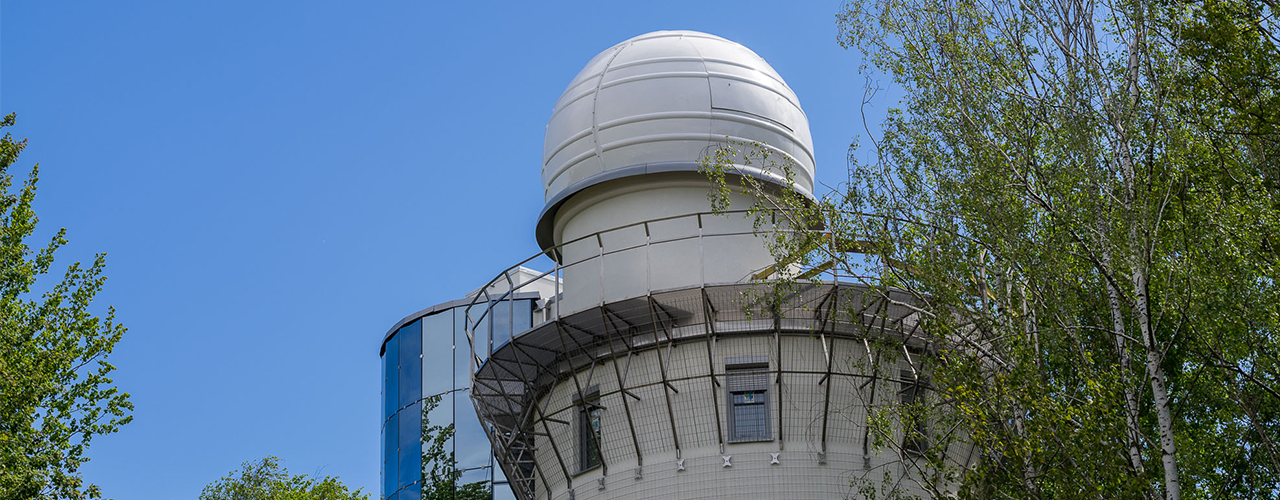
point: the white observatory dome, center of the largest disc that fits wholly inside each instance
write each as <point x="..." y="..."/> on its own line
<point x="661" y="101"/>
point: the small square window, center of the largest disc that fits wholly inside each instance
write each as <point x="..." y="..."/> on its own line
<point x="747" y="387"/>
<point x="590" y="416"/>
<point x="915" y="431"/>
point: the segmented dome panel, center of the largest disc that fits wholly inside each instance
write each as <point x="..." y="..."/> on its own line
<point x="659" y="102"/>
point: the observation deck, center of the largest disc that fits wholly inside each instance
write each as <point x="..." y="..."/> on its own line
<point x="658" y="374"/>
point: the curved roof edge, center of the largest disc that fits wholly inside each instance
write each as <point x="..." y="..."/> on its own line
<point x="545" y="229"/>
<point x="441" y="307"/>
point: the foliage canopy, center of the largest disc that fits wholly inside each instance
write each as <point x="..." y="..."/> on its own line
<point x="1082" y="200"/>
<point x="56" y="392"/>
<point x="267" y="479"/>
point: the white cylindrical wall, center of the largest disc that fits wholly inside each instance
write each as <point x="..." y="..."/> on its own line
<point x="663" y="241"/>
<point x="700" y="413"/>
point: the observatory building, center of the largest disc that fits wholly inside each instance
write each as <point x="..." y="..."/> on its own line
<point x="426" y="377"/>
<point x="653" y="360"/>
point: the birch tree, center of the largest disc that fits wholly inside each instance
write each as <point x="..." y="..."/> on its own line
<point x="1082" y="199"/>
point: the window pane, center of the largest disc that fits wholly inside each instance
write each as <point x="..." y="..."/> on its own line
<point x="410" y="453"/>
<point x="390" y="447"/>
<point x="437" y="353"/>
<point x="914" y="426"/>
<point x="503" y="492"/>
<point x="411" y="492"/>
<point x="509" y="319"/>
<point x="383" y="359"/>
<point x="481" y="331"/>
<point x="471" y="444"/>
<point x="410" y="363"/>
<point x="502" y="315"/>
<point x="382" y="460"/>
<point x="750" y="417"/>
<point x="524" y="315"/>
<point x="748" y="401"/>
<point x="501" y="489"/>
<point x="461" y="350"/>
<point x="440" y="416"/>
<point x="589" y="436"/>
<point x="475" y="476"/>
<point x="391" y="377"/>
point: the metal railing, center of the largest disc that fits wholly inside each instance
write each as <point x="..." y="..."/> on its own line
<point x="508" y="379"/>
<point x="503" y="288"/>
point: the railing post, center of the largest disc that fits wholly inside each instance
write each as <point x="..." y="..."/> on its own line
<point x="600" y="245"/>
<point x="489" y="304"/>
<point x="648" y="266"/>
<point x="511" y="308"/>
<point x="559" y="274"/>
<point x="702" y="264"/>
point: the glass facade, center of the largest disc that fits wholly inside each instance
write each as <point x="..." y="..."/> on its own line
<point x="433" y="446"/>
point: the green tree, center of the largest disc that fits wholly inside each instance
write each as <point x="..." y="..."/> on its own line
<point x="440" y="472"/>
<point x="1082" y="201"/>
<point x="1233" y="70"/>
<point x="56" y="392"/>
<point x="267" y="479"/>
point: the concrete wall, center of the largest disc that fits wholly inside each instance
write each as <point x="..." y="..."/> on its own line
<point x="801" y="472"/>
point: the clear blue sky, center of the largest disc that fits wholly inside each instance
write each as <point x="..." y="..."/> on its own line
<point x="276" y="183"/>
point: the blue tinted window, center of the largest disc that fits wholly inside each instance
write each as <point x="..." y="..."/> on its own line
<point x="501" y="488"/>
<point x="390" y="447"/>
<point x="481" y="332"/>
<point x="411" y="492"/>
<point x="471" y="445"/>
<point x="382" y="461"/>
<point x="442" y="415"/>
<point x="437" y="353"/>
<point x="410" y="363"/>
<point x="391" y="377"/>
<point x="461" y="351"/>
<point x="498" y="476"/>
<point x="383" y="358"/>
<point x="474" y="476"/>
<point x="502" y="313"/>
<point x="502" y="491"/>
<point x="510" y="318"/>
<point x="523" y="316"/>
<point x="410" y="454"/>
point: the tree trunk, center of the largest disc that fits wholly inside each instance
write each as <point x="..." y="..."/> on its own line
<point x="1164" y="417"/>
<point x="1126" y="362"/>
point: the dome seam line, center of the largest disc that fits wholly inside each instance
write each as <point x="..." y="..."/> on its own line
<point x="595" y="101"/>
<point x="710" y="95"/>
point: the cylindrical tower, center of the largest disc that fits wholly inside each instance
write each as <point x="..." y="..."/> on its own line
<point x="660" y="368"/>
<point x="432" y="440"/>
